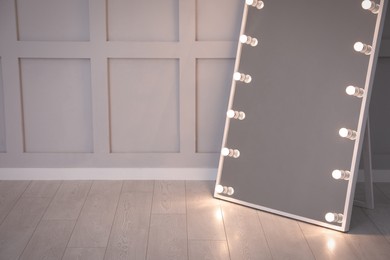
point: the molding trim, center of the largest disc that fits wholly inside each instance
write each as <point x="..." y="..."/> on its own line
<point x="108" y="173"/>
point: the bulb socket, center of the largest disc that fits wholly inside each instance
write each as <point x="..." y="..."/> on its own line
<point x="224" y="190"/>
<point x="341" y="175"/>
<point x="348" y="133"/>
<point x="248" y="40"/>
<point x="235" y="114"/>
<point x="355" y="91"/>
<point x="255" y="3"/>
<point x="230" y="152"/>
<point x="334" y="217"/>
<point x="237" y="76"/>
<point x="371" y="6"/>
<point x="362" y="48"/>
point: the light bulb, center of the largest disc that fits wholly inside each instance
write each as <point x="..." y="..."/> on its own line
<point x="225" y="151"/>
<point x="355" y="91"/>
<point x="219" y="189"/>
<point x="224" y="190"/>
<point x="248" y="40"/>
<point x="334" y="217"/>
<point x="235" y="114"/>
<point x="230" y="152"/>
<point x="371" y="6"/>
<point x="341" y="174"/>
<point x="237" y="76"/>
<point x="362" y="48"/>
<point x="255" y="3"/>
<point x="348" y="133"/>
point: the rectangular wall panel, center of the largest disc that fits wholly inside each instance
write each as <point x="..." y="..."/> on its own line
<point x="2" y="114"/>
<point x="218" y="20"/>
<point x="53" y="20"/>
<point x="144" y="105"/>
<point x="213" y="88"/>
<point x="139" y="20"/>
<point x="57" y="109"/>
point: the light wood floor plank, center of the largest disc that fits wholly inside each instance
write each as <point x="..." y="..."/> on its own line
<point x="42" y="189"/>
<point x="204" y="215"/>
<point x="94" y="224"/>
<point x="244" y="233"/>
<point x="49" y="240"/>
<point x="285" y="238"/>
<point x="365" y="238"/>
<point x="129" y="235"/>
<point x="380" y="215"/>
<point x="326" y="243"/>
<point x="167" y="237"/>
<point x="19" y="226"/>
<point x="84" y="253"/>
<point x="200" y="226"/>
<point x="208" y="250"/>
<point x="197" y="191"/>
<point x="381" y="218"/>
<point x="169" y="197"/>
<point x="68" y="201"/>
<point x="10" y="192"/>
<point x="138" y="185"/>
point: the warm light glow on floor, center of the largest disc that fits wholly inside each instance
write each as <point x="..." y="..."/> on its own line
<point x="331" y="244"/>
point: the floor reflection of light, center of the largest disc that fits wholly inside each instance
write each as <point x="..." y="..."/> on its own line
<point x="331" y="244"/>
<point x="218" y="214"/>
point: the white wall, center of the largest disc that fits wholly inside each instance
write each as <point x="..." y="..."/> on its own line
<point x="128" y="83"/>
<point x="380" y="104"/>
<point x="116" y="83"/>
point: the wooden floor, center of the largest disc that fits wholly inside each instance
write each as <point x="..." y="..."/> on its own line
<point x="170" y="220"/>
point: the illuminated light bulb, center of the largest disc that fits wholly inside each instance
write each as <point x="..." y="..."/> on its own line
<point x="236" y="114"/>
<point x="334" y="217"/>
<point x="224" y="190"/>
<point x="371" y="6"/>
<point x="219" y="189"/>
<point x="341" y="174"/>
<point x="355" y="91"/>
<point x="237" y="76"/>
<point x="230" y="152"/>
<point x="348" y="133"/>
<point x="255" y="3"/>
<point x="362" y="48"/>
<point x="248" y="40"/>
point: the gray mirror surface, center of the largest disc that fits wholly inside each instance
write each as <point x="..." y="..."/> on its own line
<point x="295" y="105"/>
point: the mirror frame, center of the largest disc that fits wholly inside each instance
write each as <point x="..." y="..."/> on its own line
<point x="223" y="192"/>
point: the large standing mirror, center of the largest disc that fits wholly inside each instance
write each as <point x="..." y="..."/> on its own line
<point x="298" y="107"/>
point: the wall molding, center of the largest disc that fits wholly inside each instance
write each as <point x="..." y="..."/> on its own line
<point x="108" y="173"/>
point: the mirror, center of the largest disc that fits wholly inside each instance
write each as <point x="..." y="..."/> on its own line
<point x="298" y="107"/>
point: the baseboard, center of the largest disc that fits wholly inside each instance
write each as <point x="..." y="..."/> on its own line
<point x="131" y="174"/>
<point x="108" y="173"/>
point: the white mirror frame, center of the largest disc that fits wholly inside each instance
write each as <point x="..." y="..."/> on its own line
<point x="228" y="191"/>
